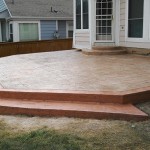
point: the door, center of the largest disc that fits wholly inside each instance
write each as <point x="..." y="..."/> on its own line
<point x="104" y="20"/>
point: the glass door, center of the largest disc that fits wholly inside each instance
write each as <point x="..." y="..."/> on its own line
<point x="104" y="20"/>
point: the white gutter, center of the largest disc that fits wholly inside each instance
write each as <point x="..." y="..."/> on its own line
<point x="23" y="17"/>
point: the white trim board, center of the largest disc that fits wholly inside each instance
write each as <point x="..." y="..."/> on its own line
<point x="16" y="29"/>
<point x="0" y="33"/>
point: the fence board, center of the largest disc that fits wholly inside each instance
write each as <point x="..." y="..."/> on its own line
<point x="7" y="49"/>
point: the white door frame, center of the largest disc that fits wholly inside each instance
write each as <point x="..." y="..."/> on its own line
<point x="115" y="24"/>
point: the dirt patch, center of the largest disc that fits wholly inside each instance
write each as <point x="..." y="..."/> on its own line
<point x="144" y="107"/>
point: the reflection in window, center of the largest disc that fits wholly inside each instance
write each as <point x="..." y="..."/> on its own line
<point x="82" y="21"/>
<point x="11" y="32"/>
<point x="78" y="14"/>
<point x="135" y="18"/>
<point x="28" y="31"/>
<point x="85" y="14"/>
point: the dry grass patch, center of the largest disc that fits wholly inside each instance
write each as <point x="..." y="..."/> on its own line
<point x="35" y="133"/>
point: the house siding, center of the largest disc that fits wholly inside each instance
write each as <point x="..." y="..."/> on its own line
<point x="82" y="39"/>
<point x="3" y="31"/>
<point x="62" y="29"/>
<point x="2" y="6"/>
<point x="122" y="22"/>
<point x="47" y="29"/>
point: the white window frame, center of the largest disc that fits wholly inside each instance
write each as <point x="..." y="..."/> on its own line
<point x="67" y="29"/>
<point x="0" y="33"/>
<point x="149" y="19"/>
<point x="78" y="30"/>
<point x="11" y="23"/>
<point x="16" y="29"/>
<point x="146" y="24"/>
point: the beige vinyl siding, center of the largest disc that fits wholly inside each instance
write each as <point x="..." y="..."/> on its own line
<point x="82" y="39"/>
<point x="138" y="44"/>
<point x="122" y="22"/>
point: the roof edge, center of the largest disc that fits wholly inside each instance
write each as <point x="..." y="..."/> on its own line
<point x="7" y="8"/>
<point x="41" y="18"/>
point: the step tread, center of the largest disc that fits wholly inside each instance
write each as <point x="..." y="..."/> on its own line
<point x="128" y="109"/>
<point x="107" y="47"/>
<point x="105" y="51"/>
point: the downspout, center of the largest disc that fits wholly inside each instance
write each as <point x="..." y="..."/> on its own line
<point x="7" y="30"/>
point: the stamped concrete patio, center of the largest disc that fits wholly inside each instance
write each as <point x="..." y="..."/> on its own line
<point x="71" y="70"/>
<point x="69" y="83"/>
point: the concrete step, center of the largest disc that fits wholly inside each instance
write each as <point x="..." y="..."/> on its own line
<point x="107" y="50"/>
<point x="125" y="97"/>
<point x="71" y="109"/>
<point x="104" y="52"/>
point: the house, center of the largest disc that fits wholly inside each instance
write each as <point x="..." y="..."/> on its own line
<point x="26" y="20"/>
<point x="124" y="23"/>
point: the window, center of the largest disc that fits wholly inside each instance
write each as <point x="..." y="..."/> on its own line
<point x="78" y="14"/>
<point x="85" y="14"/>
<point x="28" y="31"/>
<point x="70" y="29"/>
<point x="82" y="14"/>
<point x="135" y="18"/>
<point x="10" y="32"/>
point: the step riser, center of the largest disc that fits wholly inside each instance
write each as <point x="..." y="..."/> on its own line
<point x="102" y="98"/>
<point x="135" y="97"/>
<point x="66" y="113"/>
<point x="104" y="53"/>
<point x="108" y="48"/>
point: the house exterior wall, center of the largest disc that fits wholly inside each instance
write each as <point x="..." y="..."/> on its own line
<point x="47" y="29"/>
<point x="86" y="38"/>
<point x="62" y="28"/>
<point x="82" y="39"/>
<point x="123" y="35"/>
<point x="4" y="14"/>
<point x="122" y="22"/>
<point x="2" y="6"/>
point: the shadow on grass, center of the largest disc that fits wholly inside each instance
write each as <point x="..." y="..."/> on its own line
<point x="42" y="139"/>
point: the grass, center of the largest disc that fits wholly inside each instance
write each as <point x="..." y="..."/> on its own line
<point x="42" y="139"/>
<point x="120" y="137"/>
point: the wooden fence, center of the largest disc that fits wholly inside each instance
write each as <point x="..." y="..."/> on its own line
<point x="7" y="49"/>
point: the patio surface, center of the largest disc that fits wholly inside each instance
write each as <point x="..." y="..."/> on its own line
<point x="71" y="84"/>
<point x="71" y="70"/>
